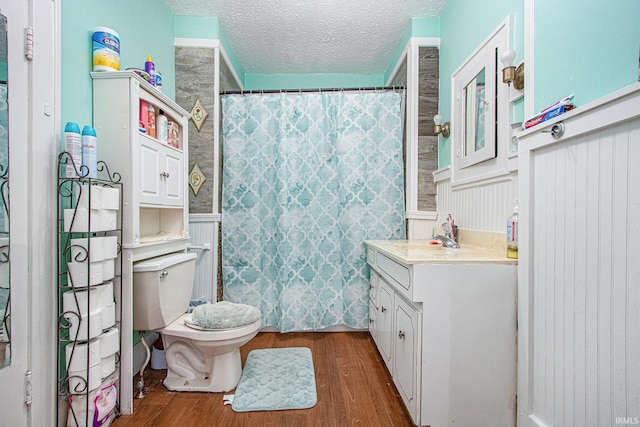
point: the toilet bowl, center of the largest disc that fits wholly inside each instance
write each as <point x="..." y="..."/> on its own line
<point x="204" y="360"/>
<point x="198" y="359"/>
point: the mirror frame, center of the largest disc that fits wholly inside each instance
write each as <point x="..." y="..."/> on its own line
<point x="490" y="161"/>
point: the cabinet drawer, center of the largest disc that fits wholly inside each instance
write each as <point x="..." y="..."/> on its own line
<point x="398" y="272"/>
<point x="371" y="256"/>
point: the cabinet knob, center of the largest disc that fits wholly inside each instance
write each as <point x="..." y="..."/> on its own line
<point x="370" y="320"/>
<point x="164" y="175"/>
<point x="383" y="309"/>
<point x="164" y="274"/>
<point x="370" y="286"/>
<point x="401" y="335"/>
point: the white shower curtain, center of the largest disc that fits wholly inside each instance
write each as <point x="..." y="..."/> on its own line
<point x="307" y="178"/>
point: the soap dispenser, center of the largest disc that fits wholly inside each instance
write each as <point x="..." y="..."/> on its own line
<point x="512" y="233"/>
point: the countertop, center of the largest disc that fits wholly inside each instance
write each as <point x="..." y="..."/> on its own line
<point x="422" y="252"/>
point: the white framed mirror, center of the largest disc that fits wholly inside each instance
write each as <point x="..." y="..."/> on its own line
<point x="480" y="116"/>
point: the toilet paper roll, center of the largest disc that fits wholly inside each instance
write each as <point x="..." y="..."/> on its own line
<point x="110" y="247"/>
<point x="84" y="328"/>
<point x="92" y="192"/>
<point x="81" y="301"/>
<point x="108" y="365"/>
<point x="108" y="269"/>
<point x="77" y="220"/>
<point x="107" y="219"/>
<point x="94" y="248"/>
<point x="109" y="342"/>
<point x="108" y="316"/>
<point x="78" y="379"/>
<point x="104" y="294"/>
<point x="110" y="198"/>
<point x="79" y="354"/>
<point x="82" y="276"/>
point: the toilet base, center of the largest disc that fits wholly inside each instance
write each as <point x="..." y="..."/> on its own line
<point x="204" y="360"/>
<point x="211" y="380"/>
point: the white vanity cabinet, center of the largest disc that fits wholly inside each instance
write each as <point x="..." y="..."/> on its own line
<point x="447" y="333"/>
<point x="154" y="175"/>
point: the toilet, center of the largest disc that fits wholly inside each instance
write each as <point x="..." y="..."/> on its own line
<point x="198" y="359"/>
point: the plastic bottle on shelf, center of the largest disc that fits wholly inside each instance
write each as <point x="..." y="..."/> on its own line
<point x="73" y="146"/>
<point x="151" y="121"/>
<point x="150" y="68"/>
<point x="512" y="234"/>
<point x="162" y="127"/>
<point x="89" y="151"/>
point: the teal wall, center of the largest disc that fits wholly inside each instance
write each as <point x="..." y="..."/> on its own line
<point x="463" y="26"/>
<point x="587" y="48"/>
<point x="145" y="27"/>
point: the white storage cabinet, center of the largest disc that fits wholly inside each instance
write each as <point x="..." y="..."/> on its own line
<point x="154" y="174"/>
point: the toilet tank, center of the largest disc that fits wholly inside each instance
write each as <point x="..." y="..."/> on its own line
<point x="162" y="289"/>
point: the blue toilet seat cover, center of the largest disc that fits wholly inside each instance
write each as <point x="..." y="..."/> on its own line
<point x="224" y="315"/>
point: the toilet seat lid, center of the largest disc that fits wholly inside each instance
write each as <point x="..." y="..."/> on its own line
<point x="188" y="321"/>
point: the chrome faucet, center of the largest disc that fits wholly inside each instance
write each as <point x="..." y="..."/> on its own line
<point x="446" y="241"/>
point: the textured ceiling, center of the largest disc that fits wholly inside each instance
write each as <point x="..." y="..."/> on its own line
<point x="307" y="36"/>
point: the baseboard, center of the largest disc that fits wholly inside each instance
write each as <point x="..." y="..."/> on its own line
<point x="336" y="328"/>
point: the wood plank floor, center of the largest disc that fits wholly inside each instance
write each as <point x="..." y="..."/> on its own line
<point x="353" y="386"/>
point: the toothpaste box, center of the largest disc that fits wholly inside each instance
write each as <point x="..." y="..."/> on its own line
<point x="547" y="115"/>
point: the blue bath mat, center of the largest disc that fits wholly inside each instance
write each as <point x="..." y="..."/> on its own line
<point x="276" y="379"/>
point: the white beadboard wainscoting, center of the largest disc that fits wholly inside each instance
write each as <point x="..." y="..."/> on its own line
<point x="203" y="229"/>
<point x="579" y="267"/>
<point x="482" y="206"/>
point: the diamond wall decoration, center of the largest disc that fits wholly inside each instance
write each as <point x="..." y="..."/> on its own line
<point x="196" y="179"/>
<point x="199" y="114"/>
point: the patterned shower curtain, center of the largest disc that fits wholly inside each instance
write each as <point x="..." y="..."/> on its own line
<point x="307" y="178"/>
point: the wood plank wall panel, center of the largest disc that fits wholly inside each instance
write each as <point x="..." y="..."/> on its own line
<point x="585" y="224"/>
<point x="195" y="78"/>
<point x="428" y="92"/>
<point x="204" y="285"/>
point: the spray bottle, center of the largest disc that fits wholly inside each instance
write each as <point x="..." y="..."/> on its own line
<point x="89" y="151"/>
<point x="73" y="146"/>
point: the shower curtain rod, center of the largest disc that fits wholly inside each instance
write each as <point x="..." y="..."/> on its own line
<point x="341" y="89"/>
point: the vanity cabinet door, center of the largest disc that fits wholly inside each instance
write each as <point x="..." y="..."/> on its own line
<point x="373" y="321"/>
<point x="407" y="352"/>
<point x="374" y="287"/>
<point x="385" y="323"/>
